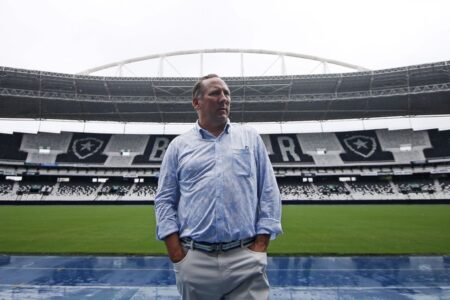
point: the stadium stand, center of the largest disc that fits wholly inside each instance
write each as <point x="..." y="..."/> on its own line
<point x="75" y="191"/>
<point x="154" y="150"/>
<point x="122" y="149"/>
<point x="286" y="148"/>
<point x="412" y="90"/>
<point x="318" y="85"/>
<point x="19" y="80"/>
<point x="405" y="145"/>
<point x="57" y="84"/>
<point x="402" y="188"/>
<point x="379" y="151"/>
<point x="91" y="87"/>
<point x="113" y="190"/>
<point x="440" y="141"/>
<point x="383" y="165"/>
<point x="44" y="147"/>
<point x="444" y="185"/>
<point x="34" y="188"/>
<point x="415" y="187"/>
<point x="434" y="74"/>
<point x="390" y="80"/>
<point x="85" y="148"/>
<point x="6" y="189"/>
<point x="372" y="189"/>
<point x="362" y="146"/>
<point x="143" y="191"/>
<point x="136" y="87"/>
<point x="356" y="83"/>
<point x="292" y="188"/>
<point x="9" y="147"/>
<point x="323" y="147"/>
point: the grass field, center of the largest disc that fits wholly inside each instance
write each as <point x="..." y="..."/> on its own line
<point x="308" y="229"/>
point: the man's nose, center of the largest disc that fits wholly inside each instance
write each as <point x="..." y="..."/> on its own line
<point x="224" y="98"/>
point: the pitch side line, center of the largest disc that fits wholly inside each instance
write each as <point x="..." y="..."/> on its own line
<point x="170" y="269"/>
<point x="294" y="288"/>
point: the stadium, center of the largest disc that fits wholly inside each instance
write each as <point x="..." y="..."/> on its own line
<point x="362" y="160"/>
<point x="356" y="136"/>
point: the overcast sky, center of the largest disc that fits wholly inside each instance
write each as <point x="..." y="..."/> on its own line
<point x="72" y="35"/>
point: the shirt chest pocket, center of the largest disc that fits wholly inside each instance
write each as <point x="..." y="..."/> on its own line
<point x="242" y="162"/>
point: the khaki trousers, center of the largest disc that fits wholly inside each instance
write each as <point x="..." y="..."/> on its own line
<point x="236" y="274"/>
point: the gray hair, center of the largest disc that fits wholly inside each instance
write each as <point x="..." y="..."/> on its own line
<point x="197" y="91"/>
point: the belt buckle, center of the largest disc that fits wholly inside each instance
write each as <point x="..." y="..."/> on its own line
<point x="217" y="247"/>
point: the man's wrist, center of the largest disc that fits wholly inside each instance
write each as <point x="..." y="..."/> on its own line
<point x="261" y="243"/>
<point x="174" y="247"/>
<point x="177" y="256"/>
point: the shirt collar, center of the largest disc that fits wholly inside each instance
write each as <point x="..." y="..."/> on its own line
<point x="203" y="132"/>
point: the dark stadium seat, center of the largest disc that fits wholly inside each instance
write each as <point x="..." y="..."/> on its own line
<point x="441" y="145"/>
<point x="6" y="189"/>
<point x="394" y="105"/>
<point x="396" y="79"/>
<point x="422" y="103"/>
<point x="91" y="87"/>
<point x="20" y="107"/>
<point x="320" y="85"/>
<point x="57" y="84"/>
<point x="429" y="75"/>
<point x="354" y="83"/>
<point x="10" y="147"/>
<point x="130" y="88"/>
<point x="141" y="112"/>
<point x="19" y="80"/>
<point x="65" y="110"/>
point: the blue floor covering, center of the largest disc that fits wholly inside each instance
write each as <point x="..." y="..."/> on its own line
<point x="135" y="278"/>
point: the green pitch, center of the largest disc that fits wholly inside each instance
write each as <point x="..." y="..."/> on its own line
<point x="308" y="229"/>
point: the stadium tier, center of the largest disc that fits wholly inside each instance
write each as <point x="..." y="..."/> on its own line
<point x="358" y="148"/>
<point x="48" y="189"/>
<point x="413" y="90"/>
<point x="373" y="163"/>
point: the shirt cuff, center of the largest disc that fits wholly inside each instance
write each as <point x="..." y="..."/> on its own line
<point x="165" y="228"/>
<point x="269" y="226"/>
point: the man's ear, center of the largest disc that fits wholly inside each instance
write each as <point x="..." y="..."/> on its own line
<point x="195" y="103"/>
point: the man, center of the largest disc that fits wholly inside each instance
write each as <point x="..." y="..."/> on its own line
<point x="218" y="203"/>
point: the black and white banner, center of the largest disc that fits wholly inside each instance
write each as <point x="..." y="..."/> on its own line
<point x="362" y="146"/>
<point x="85" y="148"/>
<point x="355" y="147"/>
<point x="155" y="150"/>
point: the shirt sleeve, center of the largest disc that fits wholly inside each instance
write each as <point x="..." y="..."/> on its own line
<point x="269" y="200"/>
<point x="168" y="195"/>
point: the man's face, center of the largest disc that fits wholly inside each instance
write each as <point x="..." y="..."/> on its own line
<point x="213" y="106"/>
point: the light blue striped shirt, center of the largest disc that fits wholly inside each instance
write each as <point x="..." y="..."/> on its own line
<point x="217" y="189"/>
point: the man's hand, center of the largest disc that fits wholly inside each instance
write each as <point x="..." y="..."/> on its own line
<point x="261" y="243"/>
<point x="174" y="247"/>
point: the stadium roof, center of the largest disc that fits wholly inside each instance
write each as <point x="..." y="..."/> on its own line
<point x="408" y="91"/>
<point x="201" y="53"/>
